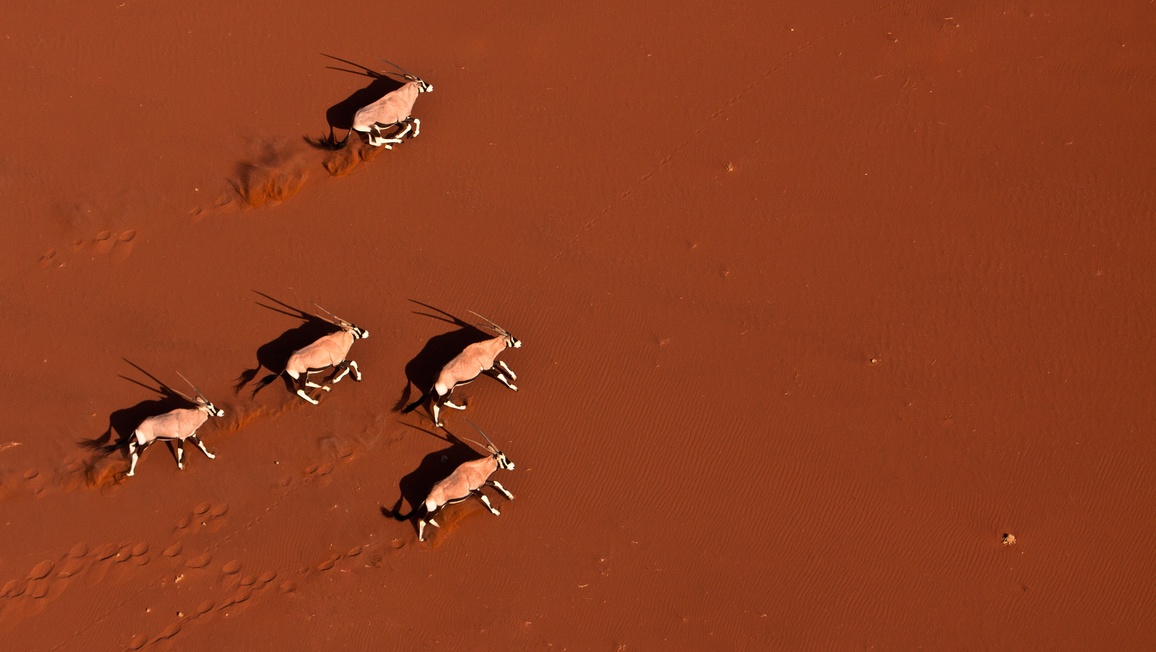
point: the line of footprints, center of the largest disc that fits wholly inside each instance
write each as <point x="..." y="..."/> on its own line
<point x="331" y="352"/>
<point x="94" y="566"/>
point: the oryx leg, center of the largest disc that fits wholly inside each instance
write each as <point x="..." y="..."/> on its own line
<point x="309" y="383"/>
<point x="382" y="140"/>
<point x="302" y="381"/>
<point x="502" y="377"/>
<point x="416" y="127"/>
<point x="513" y="376"/>
<point x="435" y="408"/>
<point x="181" y="454"/>
<point x="134" y="451"/>
<point x="345" y="367"/>
<point x="401" y="134"/>
<point x="201" y="445"/>
<point x="374" y="137"/>
<point x="421" y="527"/>
<point x="482" y="496"/>
<point x="497" y="485"/>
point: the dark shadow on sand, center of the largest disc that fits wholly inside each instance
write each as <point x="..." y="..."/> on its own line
<point x="438" y="465"/>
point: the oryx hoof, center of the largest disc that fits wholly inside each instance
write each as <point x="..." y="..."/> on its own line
<point x="129" y="474"/>
<point x="514" y="387"/>
<point x="326" y="388"/>
<point x="495" y="512"/>
<point x="210" y="456"/>
<point x="357" y="377"/>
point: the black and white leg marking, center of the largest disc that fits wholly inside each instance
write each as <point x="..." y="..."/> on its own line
<point x="201" y="445"/>
<point x="302" y="383"/>
<point x="513" y="376"/>
<point x="497" y="485"/>
<point x="502" y="377"/>
<point x="134" y="450"/>
<point x="482" y="496"/>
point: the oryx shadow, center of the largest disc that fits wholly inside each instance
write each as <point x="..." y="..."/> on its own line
<point x="422" y="371"/>
<point x="122" y="423"/>
<point x="340" y="115"/>
<point x="415" y="486"/>
<point x="274" y="354"/>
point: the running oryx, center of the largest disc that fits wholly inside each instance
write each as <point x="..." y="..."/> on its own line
<point x="466" y="480"/>
<point x="392" y="110"/>
<point x="474" y="360"/>
<point x="176" y="425"/>
<point x="328" y="351"/>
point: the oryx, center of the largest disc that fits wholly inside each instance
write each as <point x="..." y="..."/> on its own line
<point x="465" y="481"/>
<point x="474" y="360"/>
<point x="392" y="110"/>
<point x="327" y="351"/>
<point x="176" y="425"/>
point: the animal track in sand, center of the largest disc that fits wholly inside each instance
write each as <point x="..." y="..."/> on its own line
<point x="115" y="246"/>
<point x="236" y="587"/>
<point x="233" y="587"/>
<point x="48" y="579"/>
<point x="205" y="516"/>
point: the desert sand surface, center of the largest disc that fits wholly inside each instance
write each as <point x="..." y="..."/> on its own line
<point x="818" y="301"/>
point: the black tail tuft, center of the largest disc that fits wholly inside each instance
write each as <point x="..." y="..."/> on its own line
<point x="103" y="445"/>
<point x="396" y="514"/>
<point x="264" y="382"/>
<point x="416" y="404"/>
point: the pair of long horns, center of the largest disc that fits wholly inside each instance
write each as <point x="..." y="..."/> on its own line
<point x="336" y="320"/>
<point x="494" y="327"/>
<point x="199" y="394"/>
<point x="403" y="71"/>
<point x="492" y="448"/>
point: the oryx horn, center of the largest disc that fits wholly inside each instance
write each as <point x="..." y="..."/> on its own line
<point x="492" y="447"/>
<point x="403" y="70"/>
<point x="492" y="325"/>
<point x="202" y="396"/>
<point x="339" y="320"/>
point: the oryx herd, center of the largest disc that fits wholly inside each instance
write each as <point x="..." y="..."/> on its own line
<point x="330" y="352"/>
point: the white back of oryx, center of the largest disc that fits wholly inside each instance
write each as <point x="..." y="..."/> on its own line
<point x="465" y="481"/>
<point x="330" y="350"/>
<point x="175" y="425"/>
<point x="395" y="107"/>
<point x="180" y="423"/>
<point x="474" y="360"/>
<point x="326" y="351"/>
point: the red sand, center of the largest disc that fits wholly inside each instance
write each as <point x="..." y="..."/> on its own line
<point x="817" y="304"/>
